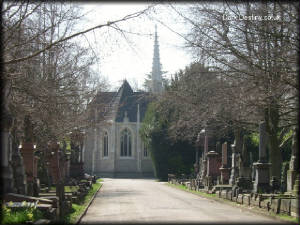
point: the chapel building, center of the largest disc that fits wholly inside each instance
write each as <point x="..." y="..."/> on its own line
<point x="113" y="146"/>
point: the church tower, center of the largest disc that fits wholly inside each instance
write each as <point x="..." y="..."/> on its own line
<point x="156" y="74"/>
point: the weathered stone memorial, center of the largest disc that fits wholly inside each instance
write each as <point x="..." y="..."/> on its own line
<point x="27" y="150"/>
<point x="199" y="167"/>
<point x="213" y="165"/>
<point x="262" y="173"/>
<point x="293" y="172"/>
<point x="234" y="166"/>
<point x="19" y="171"/>
<point x="236" y="149"/>
<point x="245" y="170"/>
<point x="5" y="132"/>
<point x="196" y="164"/>
<point x="204" y="160"/>
<point x="76" y="161"/>
<point x="224" y="169"/>
<point x="244" y="181"/>
<point x="53" y="159"/>
<point x="219" y="148"/>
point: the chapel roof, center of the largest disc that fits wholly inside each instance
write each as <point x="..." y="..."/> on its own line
<point x="129" y="104"/>
<point x="114" y="105"/>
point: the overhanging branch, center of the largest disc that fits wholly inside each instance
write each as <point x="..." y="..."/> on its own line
<point x="109" y="23"/>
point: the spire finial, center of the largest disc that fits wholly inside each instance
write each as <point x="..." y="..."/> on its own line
<point x="156" y="66"/>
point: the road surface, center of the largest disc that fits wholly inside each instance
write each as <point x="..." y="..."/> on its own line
<point x="147" y="201"/>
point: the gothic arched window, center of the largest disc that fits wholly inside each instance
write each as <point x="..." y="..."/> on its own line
<point x="126" y="142"/>
<point x="145" y="150"/>
<point x="105" y="144"/>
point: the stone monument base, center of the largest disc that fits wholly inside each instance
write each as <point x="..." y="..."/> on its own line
<point x="296" y="190"/>
<point x="7" y="179"/>
<point x="234" y="173"/>
<point x="262" y="178"/>
<point x="291" y="177"/>
<point x="244" y="183"/>
<point x="224" y="175"/>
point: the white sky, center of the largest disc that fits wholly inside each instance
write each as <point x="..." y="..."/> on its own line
<point x="131" y="58"/>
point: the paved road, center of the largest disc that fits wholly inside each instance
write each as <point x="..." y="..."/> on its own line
<point x="146" y="200"/>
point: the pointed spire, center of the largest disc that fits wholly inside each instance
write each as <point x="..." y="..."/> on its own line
<point x="156" y="67"/>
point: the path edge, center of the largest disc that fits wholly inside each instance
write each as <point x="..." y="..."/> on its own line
<point x="88" y="205"/>
<point x="242" y="207"/>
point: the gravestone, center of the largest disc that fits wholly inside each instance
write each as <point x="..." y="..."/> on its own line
<point x="234" y="167"/>
<point x="67" y="166"/>
<point x="262" y="167"/>
<point x="245" y="170"/>
<point x="19" y="171"/>
<point x="196" y="164"/>
<point x="27" y="151"/>
<point x="6" y="152"/>
<point x="204" y="159"/>
<point x="60" y="193"/>
<point x="294" y="164"/>
<point x="224" y="155"/>
<point x="20" y="184"/>
<point x="53" y="159"/>
<point x="251" y="166"/>
<point x="63" y="161"/>
<point x="244" y="181"/>
<point x="224" y="168"/>
<point x="36" y="187"/>
<point x="283" y="180"/>
<point x="57" y="161"/>
<point x="213" y="165"/>
<point x="219" y="148"/>
<point x="76" y="163"/>
<point x="296" y="187"/>
<point x="275" y="184"/>
<point x="198" y="175"/>
<point x="236" y="149"/>
<point x="6" y="125"/>
<point x="30" y="160"/>
<point x="196" y="168"/>
<point x="199" y="166"/>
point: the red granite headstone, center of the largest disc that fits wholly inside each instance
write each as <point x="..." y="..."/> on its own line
<point x="213" y="164"/>
<point x="224" y="154"/>
<point x="54" y="162"/>
<point x="27" y="151"/>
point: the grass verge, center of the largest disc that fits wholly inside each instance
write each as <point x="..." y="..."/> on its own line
<point x="286" y="217"/>
<point x="78" y="209"/>
<point x="280" y="216"/>
<point x="183" y="187"/>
